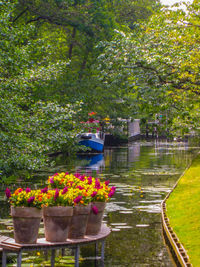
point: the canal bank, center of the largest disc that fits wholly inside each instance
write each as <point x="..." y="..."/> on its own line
<point x="181" y="217"/>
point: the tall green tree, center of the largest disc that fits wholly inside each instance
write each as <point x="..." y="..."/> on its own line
<point x="55" y="66"/>
<point x="157" y="70"/>
<point x="28" y="129"/>
<point x="75" y="28"/>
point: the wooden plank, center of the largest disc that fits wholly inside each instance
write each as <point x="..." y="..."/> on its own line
<point x="10" y="243"/>
<point x="2" y="238"/>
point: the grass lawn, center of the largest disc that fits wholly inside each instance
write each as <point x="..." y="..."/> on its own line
<point x="183" y="211"/>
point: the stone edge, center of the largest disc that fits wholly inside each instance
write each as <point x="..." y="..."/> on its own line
<point x="176" y="248"/>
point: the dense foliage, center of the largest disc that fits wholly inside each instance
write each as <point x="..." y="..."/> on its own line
<point x="60" y="60"/>
<point x="154" y="70"/>
<point x="47" y="52"/>
<point x="29" y="129"/>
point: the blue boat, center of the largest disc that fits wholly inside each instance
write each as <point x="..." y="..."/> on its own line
<point x="95" y="141"/>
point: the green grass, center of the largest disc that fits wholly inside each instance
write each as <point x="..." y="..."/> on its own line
<point x="183" y="210"/>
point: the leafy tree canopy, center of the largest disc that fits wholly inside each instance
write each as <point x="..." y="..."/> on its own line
<point x="156" y="68"/>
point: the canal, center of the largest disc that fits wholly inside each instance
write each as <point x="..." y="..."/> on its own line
<point x="143" y="172"/>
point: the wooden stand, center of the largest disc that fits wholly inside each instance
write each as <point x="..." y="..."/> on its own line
<point x="9" y="245"/>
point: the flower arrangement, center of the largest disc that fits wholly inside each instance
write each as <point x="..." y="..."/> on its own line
<point x="58" y="197"/>
<point x="63" y="189"/>
<point x="85" y="196"/>
<point x="59" y="180"/>
<point x="90" y="189"/>
<point x="91" y="125"/>
<point x="25" y="198"/>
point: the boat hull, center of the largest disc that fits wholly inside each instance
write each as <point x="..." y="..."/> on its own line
<point x="92" y="144"/>
<point x="93" y="141"/>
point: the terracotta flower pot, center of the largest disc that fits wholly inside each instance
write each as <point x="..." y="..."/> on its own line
<point x="56" y="222"/>
<point x="95" y="218"/>
<point x="26" y="222"/>
<point x="79" y="221"/>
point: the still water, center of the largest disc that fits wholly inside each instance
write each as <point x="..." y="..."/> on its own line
<point x="143" y="172"/>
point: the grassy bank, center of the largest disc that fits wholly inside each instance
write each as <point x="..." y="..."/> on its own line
<point x="183" y="210"/>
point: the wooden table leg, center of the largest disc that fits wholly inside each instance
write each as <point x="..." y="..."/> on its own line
<point x="53" y="257"/>
<point x="77" y="252"/>
<point x="102" y="249"/>
<point x="19" y="259"/>
<point x="4" y="258"/>
<point x="96" y="249"/>
<point x="63" y="252"/>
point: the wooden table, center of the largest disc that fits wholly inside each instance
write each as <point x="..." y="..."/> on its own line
<point x="9" y="245"/>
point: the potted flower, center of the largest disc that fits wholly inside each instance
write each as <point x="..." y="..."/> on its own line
<point x="57" y="213"/>
<point x="81" y="212"/>
<point x="100" y="194"/>
<point x="86" y="190"/>
<point x="26" y="212"/>
<point x="78" y="185"/>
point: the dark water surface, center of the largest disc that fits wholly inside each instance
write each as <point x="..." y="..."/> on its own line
<point x="143" y="172"/>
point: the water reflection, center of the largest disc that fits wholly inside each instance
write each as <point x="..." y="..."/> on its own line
<point x="91" y="162"/>
<point x="133" y="152"/>
<point x="143" y="174"/>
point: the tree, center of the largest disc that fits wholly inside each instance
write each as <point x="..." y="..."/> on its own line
<point x="28" y="129"/>
<point x="75" y="28"/>
<point x="156" y="68"/>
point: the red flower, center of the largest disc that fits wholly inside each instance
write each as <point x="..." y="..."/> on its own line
<point x="112" y="191"/>
<point x="95" y="210"/>
<point x="113" y="188"/>
<point x="77" y="175"/>
<point x="78" y="199"/>
<point x="91" y="120"/>
<point x="56" y="194"/>
<point x="82" y="177"/>
<point x="51" y="180"/>
<point x="64" y="190"/>
<point x="93" y="194"/>
<point x="44" y="190"/>
<point x="28" y="190"/>
<point x="30" y="200"/>
<point x="89" y="180"/>
<point x="8" y="193"/>
<point x="97" y="184"/>
<point x="80" y="187"/>
<point x="107" y="182"/>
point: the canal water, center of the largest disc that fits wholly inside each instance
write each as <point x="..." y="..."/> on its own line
<point x="143" y="172"/>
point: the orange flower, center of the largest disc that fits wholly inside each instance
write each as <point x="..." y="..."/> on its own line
<point x="18" y="190"/>
<point x="61" y="181"/>
<point x="92" y="113"/>
<point x="48" y="196"/>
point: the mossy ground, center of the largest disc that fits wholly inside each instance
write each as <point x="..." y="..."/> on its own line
<point x="183" y="210"/>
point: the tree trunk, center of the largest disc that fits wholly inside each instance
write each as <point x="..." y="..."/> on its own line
<point x="72" y="43"/>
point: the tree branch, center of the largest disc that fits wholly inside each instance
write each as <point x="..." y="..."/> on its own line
<point x="140" y="65"/>
<point x="35" y="19"/>
<point x="20" y="14"/>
